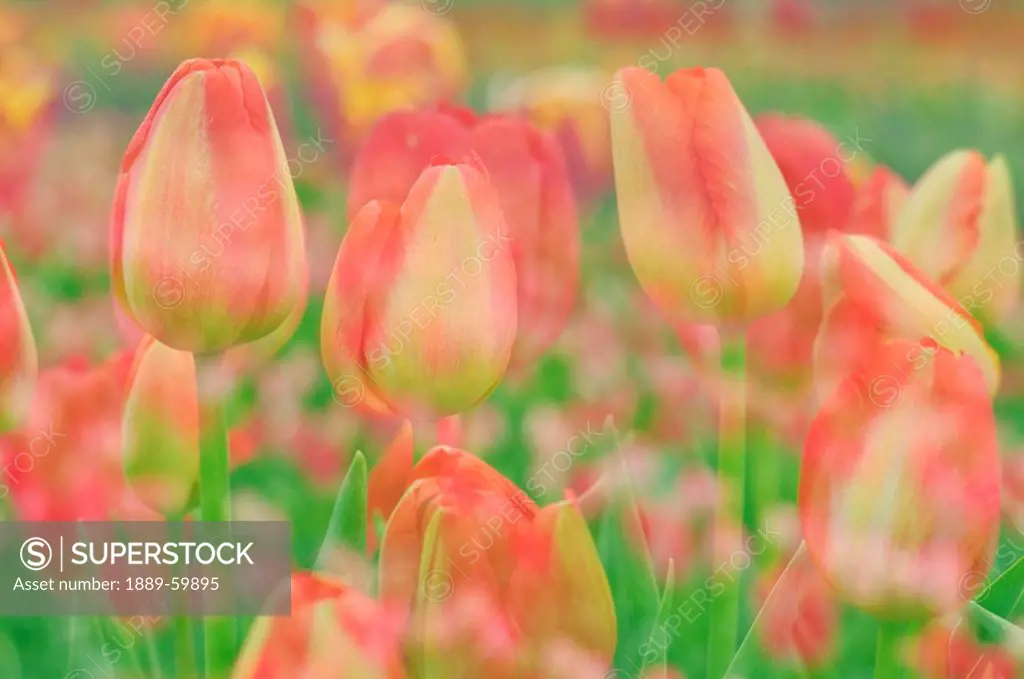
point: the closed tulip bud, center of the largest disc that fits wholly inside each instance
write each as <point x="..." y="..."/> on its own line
<point x="880" y="199"/>
<point x="560" y="591"/>
<point x="328" y="621"/>
<point x="420" y="315"/>
<point x="708" y="223"/>
<point x="959" y="226"/>
<point x="18" y="359"/>
<point x="873" y="294"/>
<point x="899" y="487"/>
<point x="480" y="567"/>
<point x="207" y="235"/>
<point x="161" y="427"/>
<point x="528" y="173"/>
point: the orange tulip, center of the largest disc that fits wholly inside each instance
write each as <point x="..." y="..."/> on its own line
<point x="959" y="226"/>
<point x="333" y="631"/>
<point x="420" y="316"/>
<point x="944" y="653"/>
<point x="708" y="223"/>
<point x="528" y="172"/>
<point x="161" y="427"/>
<point x="207" y="235"/>
<point x="18" y="359"/>
<point x="873" y="294"/>
<point x="472" y="557"/>
<point x="801" y="617"/>
<point x="899" y="488"/>
<point x="64" y="463"/>
<point x="878" y="204"/>
<point x="567" y="103"/>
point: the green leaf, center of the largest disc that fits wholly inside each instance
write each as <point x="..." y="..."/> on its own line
<point x="347" y="528"/>
<point x="1002" y="596"/>
<point x="665" y="610"/>
<point x="630" y="571"/>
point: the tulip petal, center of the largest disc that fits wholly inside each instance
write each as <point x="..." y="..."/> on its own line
<point x="451" y="270"/>
<point x="940" y="223"/>
<point x="161" y="427"/>
<point x="18" y="357"/>
<point x="891" y="298"/>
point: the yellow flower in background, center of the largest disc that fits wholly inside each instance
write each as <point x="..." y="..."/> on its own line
<point x="400" y="57"/>
<point x="567" y="101"/>
<point x="26" y="88"/>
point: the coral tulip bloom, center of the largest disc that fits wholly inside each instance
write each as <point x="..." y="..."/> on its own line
<point x="65" y="462"/>
<point x="708" y="223"/>
<point x="333" y="631"/>
<point x="814" y="165"/>
<point x="207" y="248"/>
<point x="880" y="199"/>
<point x="18" y="359"/>
<point x="463" y="533"/>
<point x="872" y="295"/>
<point x="420" y="315"/>
<point x="161" y="427"/>
<point x="528" y="172"/>
<point x="899" y="488"/>
<point x="959" y="226"/>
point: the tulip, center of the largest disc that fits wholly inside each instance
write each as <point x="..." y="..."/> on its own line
<point x="379" y="60"/>
<point x="800" y="614"/>
<point x="18" y="359"/>
<point x="899" y="487"/>
<point x="420" y="316"/>
<point x="708" y="223"/>
<point x="466" y="547"/>
<point x="959" y="226"/>
<point x="207" y="242"/>
<point x="944" y="653"/>
<point x="65" y="462"/>
<point x="873" y="294"/>
<point x="527" y="170"/>
<point x="161" y="428"/>
<point x="332" y="631"/>
<point x="566" y="102"/>
<point x="815" y="166"/>
<point x="880" y="199"/>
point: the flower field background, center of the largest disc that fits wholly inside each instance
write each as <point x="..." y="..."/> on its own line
<point x="652" y="494"/>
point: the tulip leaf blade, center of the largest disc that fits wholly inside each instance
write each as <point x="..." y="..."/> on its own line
<point x="1002" y="596"/>
<point x="630" y="570"/>
<point x="348" y="524"/>
<point x="741" y="666"/>
<point x="665" y="611"/>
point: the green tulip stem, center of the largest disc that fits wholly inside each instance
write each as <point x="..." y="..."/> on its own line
<point x="219" y="633"/>
<point x="887" y="651"/>
<point x="724" y="608"/>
